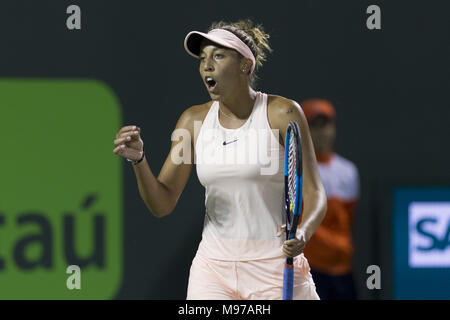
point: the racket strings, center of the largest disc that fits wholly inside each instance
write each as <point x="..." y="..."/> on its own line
<point x="292" y="174"/>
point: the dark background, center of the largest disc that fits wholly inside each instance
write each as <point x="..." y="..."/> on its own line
<point x="390" y="88"/>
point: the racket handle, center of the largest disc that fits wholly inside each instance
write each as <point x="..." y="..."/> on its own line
<point x="288" y="282"/>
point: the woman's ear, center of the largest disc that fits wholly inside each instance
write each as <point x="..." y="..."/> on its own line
<point x="246" y="67"/>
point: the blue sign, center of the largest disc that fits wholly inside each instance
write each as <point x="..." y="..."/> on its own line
<point x="421" y="249"/>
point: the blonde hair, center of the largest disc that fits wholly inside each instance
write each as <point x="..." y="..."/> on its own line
<point x="253" y="36"/>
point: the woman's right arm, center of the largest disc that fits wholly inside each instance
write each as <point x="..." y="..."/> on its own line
<point x="161" y="194"/>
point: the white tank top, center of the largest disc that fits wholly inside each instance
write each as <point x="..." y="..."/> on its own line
<point x="242" y="172"/>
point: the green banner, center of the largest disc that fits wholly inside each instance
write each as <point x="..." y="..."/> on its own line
<point x="61" y="190"/>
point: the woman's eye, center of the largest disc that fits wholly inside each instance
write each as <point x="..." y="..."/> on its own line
<point x="219" y="55"/>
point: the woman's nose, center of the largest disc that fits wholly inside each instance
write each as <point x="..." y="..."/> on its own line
<point x="208" y="66"/>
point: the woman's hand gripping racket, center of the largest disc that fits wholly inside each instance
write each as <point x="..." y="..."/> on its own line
<point x="293" y="179"/>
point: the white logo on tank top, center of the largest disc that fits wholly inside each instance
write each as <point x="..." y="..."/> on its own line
<point x="251" y="147"/>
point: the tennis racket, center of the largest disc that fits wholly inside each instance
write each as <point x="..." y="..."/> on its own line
<point x="293" y="180"/>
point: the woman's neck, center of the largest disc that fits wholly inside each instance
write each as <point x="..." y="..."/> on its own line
<point x="239" y="104"/>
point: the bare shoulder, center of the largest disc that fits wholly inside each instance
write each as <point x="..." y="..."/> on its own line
<point x="199" y="111"/>
<point x="281" y="110"/>
<point x="278" y="104"/>
<point x="192" y="114"/>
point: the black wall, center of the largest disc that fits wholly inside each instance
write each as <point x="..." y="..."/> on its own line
<point x="390" y="88"/>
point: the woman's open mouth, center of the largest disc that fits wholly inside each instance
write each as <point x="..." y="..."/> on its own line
<point x="210" y="83"/>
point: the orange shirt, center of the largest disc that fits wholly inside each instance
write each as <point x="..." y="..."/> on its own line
<point x="330" y="249"/>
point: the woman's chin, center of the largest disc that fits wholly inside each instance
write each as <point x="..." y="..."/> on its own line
<point x="214" y="96"/>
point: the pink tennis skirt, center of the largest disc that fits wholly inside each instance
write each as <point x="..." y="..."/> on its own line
<point x="211" y="279"/>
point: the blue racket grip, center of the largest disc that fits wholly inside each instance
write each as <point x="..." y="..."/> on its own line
<point x="288" y="282"/>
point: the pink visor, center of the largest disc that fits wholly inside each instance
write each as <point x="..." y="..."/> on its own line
<point x="220" y="36"/>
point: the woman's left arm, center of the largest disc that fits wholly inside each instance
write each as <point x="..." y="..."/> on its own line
<point x="281" y="112"/>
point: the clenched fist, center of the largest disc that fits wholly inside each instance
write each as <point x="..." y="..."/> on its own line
<point x="128" y="143"/>
<point x="294" y="247"/>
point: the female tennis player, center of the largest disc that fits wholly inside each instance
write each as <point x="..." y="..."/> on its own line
<point x="243" y="249"/>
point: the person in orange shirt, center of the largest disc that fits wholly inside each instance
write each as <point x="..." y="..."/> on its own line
<point x="330" y="249"/>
